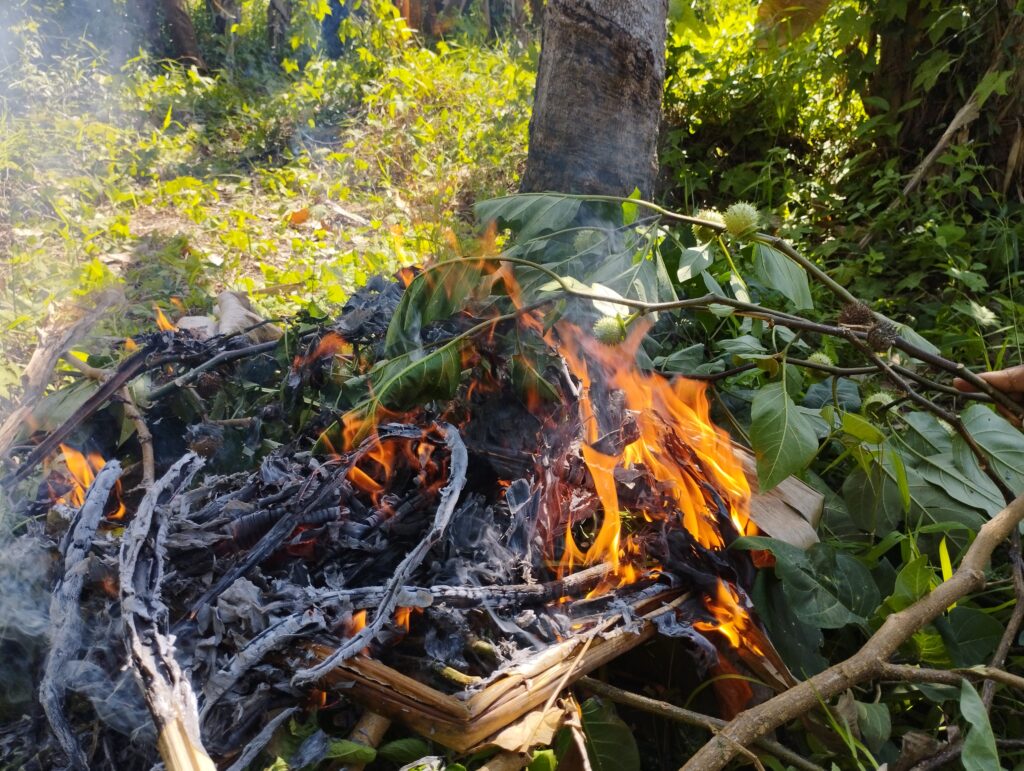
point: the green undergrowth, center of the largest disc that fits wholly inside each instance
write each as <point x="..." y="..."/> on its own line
<point x="291" y="177"/>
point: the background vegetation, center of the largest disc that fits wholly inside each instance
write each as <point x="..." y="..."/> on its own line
<point x="294" y="177"/>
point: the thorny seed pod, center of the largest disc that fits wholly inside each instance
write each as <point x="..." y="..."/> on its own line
<point x="821" y="359"/>
<point x="702" y="233"/>
<point x="741" y="219"/>
<point x="877" y="400"/>
<point x="855" y="315"/>
<point x="881" y="336"/>
<point x="610" y="330"/>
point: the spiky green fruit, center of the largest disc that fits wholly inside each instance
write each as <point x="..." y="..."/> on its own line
<point x="950" y="431"/>
<point x="586" y="240"/>
<point x="741" y="219"/>
<point x="821" y="358"/>
<point x="877" y="400"/>
<point x="703" y="233"/>
<point x="610" y="330"/>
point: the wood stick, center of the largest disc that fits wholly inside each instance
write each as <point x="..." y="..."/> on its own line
<point x="369" y="731"/>
<point x="52" y="344"/>
<point x="166" y="689"/>
<point x="869" y="662"/>
<point x="65" y="618"/>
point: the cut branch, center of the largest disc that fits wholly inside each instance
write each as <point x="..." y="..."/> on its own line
<point x="870" y="661"/>
<point x="167" y="691"/>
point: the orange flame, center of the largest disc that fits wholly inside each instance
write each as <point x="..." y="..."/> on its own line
<point x="402" y="616"/>
<point x="678" y="445"/>
<point x="162" y="322"/>
<point x="330" y="344"/>
<point x="83" y="470"/>
<point x="731" y="619"/>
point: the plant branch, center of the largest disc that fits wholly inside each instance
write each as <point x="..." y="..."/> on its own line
<point x="870" y="661"/>
<point x="689" y="717"/>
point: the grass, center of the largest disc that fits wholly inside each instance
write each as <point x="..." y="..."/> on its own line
<point x="293" y="181"/>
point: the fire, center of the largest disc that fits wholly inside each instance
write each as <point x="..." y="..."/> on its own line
<point x="678" y="445"/>
<point x="357" y="624"/>
<point x="83" y="469"/>
<point x="162" y="322"/>
<point x="331" y="344"/>
<point x="731" y="619"/>
<point x="402" y="617"/>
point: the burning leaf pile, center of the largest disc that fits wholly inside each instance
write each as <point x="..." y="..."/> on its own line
<point x="520" y="485"/>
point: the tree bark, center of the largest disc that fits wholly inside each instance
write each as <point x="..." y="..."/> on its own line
<point x="183" y="34"/>
<point x="597" y="104"/>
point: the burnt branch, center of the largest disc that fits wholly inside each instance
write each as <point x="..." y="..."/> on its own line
<point x="445" y="508"/>
<point x="65" y="618"/>
<point x="167" y="691"/>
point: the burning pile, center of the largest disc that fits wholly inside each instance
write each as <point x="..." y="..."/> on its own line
<point x="559" y="492"/>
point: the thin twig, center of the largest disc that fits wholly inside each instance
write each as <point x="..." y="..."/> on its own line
<point x="145" y="437"/>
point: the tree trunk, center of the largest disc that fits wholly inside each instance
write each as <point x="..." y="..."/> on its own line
<point x="225" y="14"/>
<point x="279" y="21"/>
<point x="183" y="34"/>
<point x="597" y="104"/>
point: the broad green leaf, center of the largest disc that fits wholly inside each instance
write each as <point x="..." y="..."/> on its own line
<point x="350" y="752"/>
<point x="941" y="470"/>
<point x="875" y="724"/>
<point x="783" y="439"/>
<point x="797" y="642"/>
<point x="683" y="361"/>
<point x="528" y="381"/>
<point x="914" y="580"/>
<point x="695" y="260"/>
<point x="994" y="82"/>
<point x="971" y="635"/>
<point x="402" y="751"/>
<point x="1003" y="443"/>
<point x="433" y="295"/>
<point x="824" y="589"/>
<point x="873" y="500"/>
<point x="778" y="272"/>
<point x="861" y="428"/>
<point x="926" y="435"/>
<point x="820" y="394"/>
<point x="530" y="214"/>
<point x="610" y="744"/>
<point x="979" y="752"/>
<point x="413" y="378"/>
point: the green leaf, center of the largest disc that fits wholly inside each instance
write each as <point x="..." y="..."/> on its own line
<point x="695" y="260"/>
<point x="543" y="760"/>
<point x="912" y="582"/>
<point x="875" y="724"/>
<point x="797" y="642"/>
<point x="610" y="744"/>
<point x="433" y="295"/>
<point x="1002" y="443"/>
<point x="979" y="752"/>
<point x="528" y="381"/>
<point x="403" y="751"/>
<point x="350" y="752"/>
<point x="824" y="589"/>
<point x="778" y="272"/>
<point x="783" y="439"/>
<point x="971" y="635"/>
<point x="682" y="361"/>
<point x="861" y="428"/>
<point x="530" y="214"/>
<point x="940" y="470"/>
<point x="413" y="378"/>
<point x="630" y="210"/>
<point x="992" y="83"/>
